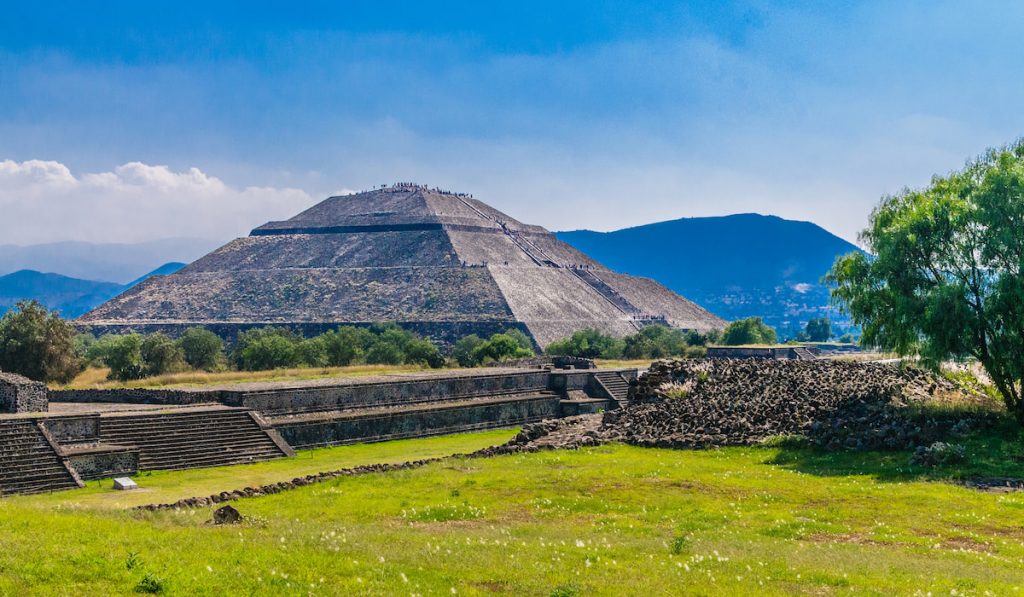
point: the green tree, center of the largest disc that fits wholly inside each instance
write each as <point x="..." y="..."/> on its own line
<point x="846" y="338"/>
<point x="464" y="350"/>
<point x="748" y="331"/>
<point x="312" y="352"/>
<point x="385" y="352"/>
<point x="943" y="279"/>
<point x="500" y="347"/>
<point x="201" y="348"/>
<point x="38" y="344"/>
<point x="420" y="351"/>
<point x="656" y="342"/>
<point x="587" y="343"/>
<point x="122" y="354"/>
<point x="265" y="348"/>
<point x="819" y="329"/>
<point x="521" y="338"/>
<point x="161" y="355"/>
<point x="344" y="346"/>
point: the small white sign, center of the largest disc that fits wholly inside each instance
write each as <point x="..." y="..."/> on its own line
<point x="124" y="483"/>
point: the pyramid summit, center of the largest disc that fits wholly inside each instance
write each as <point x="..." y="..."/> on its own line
<point x="439" y="263"/>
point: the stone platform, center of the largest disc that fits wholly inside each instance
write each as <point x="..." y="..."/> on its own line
<point x="93" y="434"/>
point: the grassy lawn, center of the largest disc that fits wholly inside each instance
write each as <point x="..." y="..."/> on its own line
<point x="171" y="486"/>
<point x="96" y="377"/>
<point x="613" y="520"/>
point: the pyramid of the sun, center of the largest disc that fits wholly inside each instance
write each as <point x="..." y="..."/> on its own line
<point x="442" y="264"/>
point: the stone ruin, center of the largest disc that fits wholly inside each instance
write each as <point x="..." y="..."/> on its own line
<point x="21" y="395"/>
<point x="441" y="264"/>
<point x="725" y="402"/>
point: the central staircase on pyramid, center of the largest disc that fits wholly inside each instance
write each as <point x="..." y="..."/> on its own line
<point x="193" y="438"/>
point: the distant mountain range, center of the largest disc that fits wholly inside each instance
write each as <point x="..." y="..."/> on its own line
<point x="69" y="296"/>
<point x="120" y="263"/>
<point x="736" y="266"/>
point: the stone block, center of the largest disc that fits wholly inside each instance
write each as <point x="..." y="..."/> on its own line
<point x="125" y="484"/>
<point x="21" y="395"/>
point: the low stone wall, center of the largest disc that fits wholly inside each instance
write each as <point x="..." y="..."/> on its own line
<point x="76" y="429"/>
<point x="138" y="396"/>
<point x="104" y="462"/>
<point x="422" y="422"/>
<point x="21" y="395"/>
<point x="556" y="362"/>
<point x="744" y="352"/>
<point x="390" y="393"/>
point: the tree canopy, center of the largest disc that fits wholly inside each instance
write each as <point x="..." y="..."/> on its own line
<point x="751" y="330"/>
<point x="819" y="329"/>
<point x="38" y="344"/>
<point x="943" y="278"/>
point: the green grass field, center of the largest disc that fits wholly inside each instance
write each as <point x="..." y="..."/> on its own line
<point x="613" y="520"/>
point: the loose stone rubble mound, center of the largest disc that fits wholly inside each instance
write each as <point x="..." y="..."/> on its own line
<point x="722" y="402"/>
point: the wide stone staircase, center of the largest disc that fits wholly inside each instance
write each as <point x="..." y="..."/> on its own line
<point x="195" y="439"/>
<point x="28" y="462"/>
<point x="616" y="385"/>
<point x="803" y="354"/>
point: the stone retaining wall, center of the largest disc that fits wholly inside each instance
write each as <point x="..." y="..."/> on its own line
<point x="21" y="395"/>
<point x="405" y="423"/>
<point x="390" y="392"/>
<point x="74" y="429"/>
<point x="104" y="463"/>
<point x="138" y="396"/>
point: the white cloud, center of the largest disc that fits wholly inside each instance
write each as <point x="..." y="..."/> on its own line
<point x="43" y="201"/>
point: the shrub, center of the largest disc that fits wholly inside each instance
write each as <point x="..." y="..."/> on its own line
<point x="819" y="329"/>
<point x="938" y="454"/>
<point x="500" y="347"/>
<point x="266" y="348"/>
<point x="150" y="584"/>
<point x="656" y="342"/>
<point x="589" y="344"/>
<point x="123" y="354"/>
<point x="344" y="346"/>
<point x="423" y="352"/>
<point x="201" y="348"/>
<point x="463" y="351"/>
<point x="385" y="352"/>
<point x="160" y="355"/>
<point x="38" y="344"/>
<point x="312" y="352"/>
<point x="388" y="344"/>
<point x="751" y="330"/>
<point x="521" y="338"/>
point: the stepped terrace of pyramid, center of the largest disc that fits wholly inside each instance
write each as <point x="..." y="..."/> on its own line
<point x="439" y="263"/>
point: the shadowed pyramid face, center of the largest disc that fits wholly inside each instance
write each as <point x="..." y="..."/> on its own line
<point x="440" y="263"/>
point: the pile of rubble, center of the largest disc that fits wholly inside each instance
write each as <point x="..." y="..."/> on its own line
<point x="722" y="402"/>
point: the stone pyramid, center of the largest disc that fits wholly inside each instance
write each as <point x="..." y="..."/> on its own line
<point x="439" y="263"/>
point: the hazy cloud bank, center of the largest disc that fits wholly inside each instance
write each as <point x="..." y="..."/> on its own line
<point x="44" y="201"/>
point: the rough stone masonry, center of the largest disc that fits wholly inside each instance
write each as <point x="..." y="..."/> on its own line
<point x="440" y="264"/>
<point x="21" y="395"/>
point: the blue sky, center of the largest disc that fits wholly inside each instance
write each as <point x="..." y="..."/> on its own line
<point x="148" y="120"/>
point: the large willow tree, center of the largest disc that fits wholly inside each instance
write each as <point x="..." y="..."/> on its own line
<point x="942" y="276"/>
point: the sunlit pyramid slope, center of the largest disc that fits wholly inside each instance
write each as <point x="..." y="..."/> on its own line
<point x="440" y="263"/>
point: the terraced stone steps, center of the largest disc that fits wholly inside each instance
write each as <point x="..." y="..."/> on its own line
<point x="180" y="440"/>
<point x="616" y="385"/>
<point x="28" y="462"/>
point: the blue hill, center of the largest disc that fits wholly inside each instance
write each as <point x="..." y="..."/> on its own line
<point x="736" y="266"/>
<point x="69" y="296"/>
